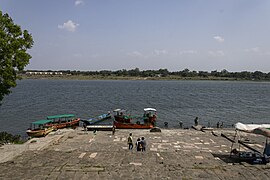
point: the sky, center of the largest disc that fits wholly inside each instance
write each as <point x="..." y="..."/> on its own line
<point x="201" y="35"/>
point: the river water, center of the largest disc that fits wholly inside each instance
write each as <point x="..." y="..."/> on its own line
<point x="175" y="101"/>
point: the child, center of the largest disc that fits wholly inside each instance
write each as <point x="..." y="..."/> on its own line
<point x="143" y="142"/>
<point x="139" y="145"/>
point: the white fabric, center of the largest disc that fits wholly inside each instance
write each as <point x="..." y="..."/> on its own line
<point x="250" y="127"/>
<point x="149" y="109"/>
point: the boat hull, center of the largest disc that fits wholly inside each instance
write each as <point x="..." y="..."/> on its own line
<point x="100" y="118"/>
<point x="39" y="132"/>
<point x="62" y="125"/>
<point x="119" y="125"/>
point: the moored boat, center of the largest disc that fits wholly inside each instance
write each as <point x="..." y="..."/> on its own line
<point x="123" y="121"/>
<point x="96" y="120"/>
<point x="119" y="125"/>
<point x="64" y="120"/>
<point x="40" y="128"/>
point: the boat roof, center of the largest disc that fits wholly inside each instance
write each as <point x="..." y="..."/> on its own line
<point x="149" y="109"/>
<point x="61" y="116"/>
<point x="119" y="110"/>
<point x="41" y="122"/>
<point x="262" y="129"/>
<point x="250" y="127"/>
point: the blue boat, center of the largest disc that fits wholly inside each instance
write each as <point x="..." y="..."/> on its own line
<point x="96" y="120"/>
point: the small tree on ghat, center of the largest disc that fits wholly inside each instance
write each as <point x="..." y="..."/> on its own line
<point x="13" y="56"/>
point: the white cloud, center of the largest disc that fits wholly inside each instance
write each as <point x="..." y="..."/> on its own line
<point x="187" y="52"/>
<point x="78" y="2"/>
<point x="69" y="26"/>
<point x="266" y="53"/>
<point x="218" y="53"/>
<point x="160" y="52"/>
<point x="257" y="51"/>
<point x="95" y="55"/>
<point x="77" y="55"/>
<point x="135" y="53"/>
<point x="254" y="50"/>
<point x="219" y="39"/>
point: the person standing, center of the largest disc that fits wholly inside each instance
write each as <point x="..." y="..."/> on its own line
<point x="139" y="145"/>
<point x="130" y="142"/>
<point x="143" y="142"/>
<point x="196" y="121"/>
<point x="84" y="127"/>
<point x="113" y="130"/>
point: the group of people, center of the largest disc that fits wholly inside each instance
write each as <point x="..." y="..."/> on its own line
<point x="140" y="143"/>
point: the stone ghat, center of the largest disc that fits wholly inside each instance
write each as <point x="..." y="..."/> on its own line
<point x="171" y="154"/>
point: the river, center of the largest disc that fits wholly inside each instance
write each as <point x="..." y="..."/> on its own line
<point x="212" y="101"/>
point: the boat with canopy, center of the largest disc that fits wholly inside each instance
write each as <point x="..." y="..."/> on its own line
<point x="64" y="120"/>
<point x="40" y="128"/>
<point x="124" y="121"/>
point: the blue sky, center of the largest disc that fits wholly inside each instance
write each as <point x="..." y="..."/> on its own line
<point x="148" y="34"/>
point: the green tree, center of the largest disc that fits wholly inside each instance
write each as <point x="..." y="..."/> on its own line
<point x="164" y="72"/>
<point x="258" y="75"/>
<point x="203" y="74"/>
<point x="134" y="72"/>
<point x="13" y="53"/>
<point x="185" y="72"/>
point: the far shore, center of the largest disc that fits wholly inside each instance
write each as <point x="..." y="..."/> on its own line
<point x="99" y="77"/>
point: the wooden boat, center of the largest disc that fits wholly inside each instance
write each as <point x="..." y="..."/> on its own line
<point x="96" y="120"/>
<point x="119" y="125"/>
<point x="40" y="128"/>
<point x="63" y="121"/>
<point x="123" y="121"/>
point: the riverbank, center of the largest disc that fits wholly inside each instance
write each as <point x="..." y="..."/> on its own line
<point x="99" y="77"/>
<point x="171" y="154"/>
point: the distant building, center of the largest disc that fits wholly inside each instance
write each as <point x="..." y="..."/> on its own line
<point x="43" y="73"/>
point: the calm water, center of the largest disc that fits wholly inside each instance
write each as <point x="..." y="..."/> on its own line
<point x="176" y="101"/>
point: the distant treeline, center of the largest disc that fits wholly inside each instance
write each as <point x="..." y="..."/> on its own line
<point x="186" y="73"/>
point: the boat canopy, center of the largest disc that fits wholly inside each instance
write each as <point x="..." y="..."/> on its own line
<point x="149" y="109"/>
<point x="61" y="116"/>
<point x="261" y="129"/>
<point x="249" y="127"/>
<point x="41" y="122"/>
<point x="119" y="110"/>
<point x="116" y="110"/>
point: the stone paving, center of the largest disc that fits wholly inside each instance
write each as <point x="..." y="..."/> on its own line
<point x="171" y="154"/>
